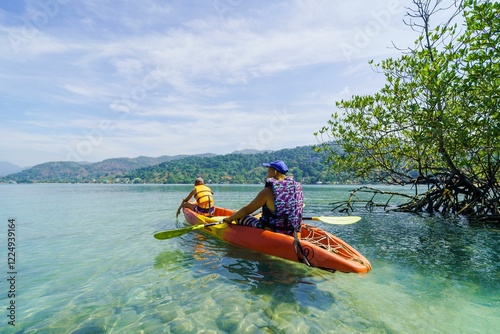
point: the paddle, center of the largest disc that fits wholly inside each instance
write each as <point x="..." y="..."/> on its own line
<point x="178" y="232"/>
<point x="335" y="220"/>
<point x="327" y="220"/>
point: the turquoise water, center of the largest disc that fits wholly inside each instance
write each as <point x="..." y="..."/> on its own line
<point x="87" y="262"/>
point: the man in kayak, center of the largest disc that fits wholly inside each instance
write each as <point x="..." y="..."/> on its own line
<point x="281" y="201"/>
<point x="204" y="200"/>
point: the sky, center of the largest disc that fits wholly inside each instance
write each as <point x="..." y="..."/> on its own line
<point x="91" y="80"/>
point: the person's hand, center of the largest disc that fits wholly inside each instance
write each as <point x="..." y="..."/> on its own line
<point x="180" y="207"/>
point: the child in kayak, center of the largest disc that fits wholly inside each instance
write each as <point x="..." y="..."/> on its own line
<point x="204" y="200"/>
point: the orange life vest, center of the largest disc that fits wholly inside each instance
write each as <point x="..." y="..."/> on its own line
<point x="203" y="196"/>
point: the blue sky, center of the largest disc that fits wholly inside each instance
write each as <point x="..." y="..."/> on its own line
<point x="91" y="80"/>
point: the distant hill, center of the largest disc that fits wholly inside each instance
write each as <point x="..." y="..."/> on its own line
<point x="306" y="165"/>
<point x="249" y="151"/>
<point x="69" y="171"/>
<point x="7" y="168"/>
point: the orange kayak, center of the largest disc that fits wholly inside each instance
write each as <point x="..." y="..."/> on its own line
<point x="322" y="249"/>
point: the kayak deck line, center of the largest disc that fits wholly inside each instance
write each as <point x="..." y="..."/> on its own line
<point x="330" y="245"/>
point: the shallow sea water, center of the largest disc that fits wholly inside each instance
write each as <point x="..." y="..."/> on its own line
<point x="87" y="262"/>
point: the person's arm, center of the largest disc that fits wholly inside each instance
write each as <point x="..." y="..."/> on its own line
<point x="179" y="209"/>
<point x="258" y="202"/>
<point x="191" y="194"/>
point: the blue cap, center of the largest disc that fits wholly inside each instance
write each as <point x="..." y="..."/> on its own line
<point x="279" y="165"/>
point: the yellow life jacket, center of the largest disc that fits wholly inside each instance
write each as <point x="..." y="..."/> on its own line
<point x="203" y="197"/>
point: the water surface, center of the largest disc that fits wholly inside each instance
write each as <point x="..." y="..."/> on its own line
<point x="87" y="262"/>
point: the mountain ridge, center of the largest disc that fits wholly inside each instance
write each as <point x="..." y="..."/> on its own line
<point x="83" y="171"/>
<point x="239" y="167"/>
<point x="7" y="168"/>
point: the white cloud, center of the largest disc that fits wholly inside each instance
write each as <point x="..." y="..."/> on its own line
<point x="141" y="78"/>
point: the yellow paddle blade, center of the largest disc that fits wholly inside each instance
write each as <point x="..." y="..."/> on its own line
<point x="336" y="220"/>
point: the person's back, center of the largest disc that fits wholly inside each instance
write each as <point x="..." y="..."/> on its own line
<point x="281" y="202"/>
<point x="203" y="196"/>
<point x="204" y="201"/>
<point x="288" y="206"/>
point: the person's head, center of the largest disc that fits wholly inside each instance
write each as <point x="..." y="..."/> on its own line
<point x="276" y="169"/>
<point x="199" y="181"/>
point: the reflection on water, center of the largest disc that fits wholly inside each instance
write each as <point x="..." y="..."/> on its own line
<point x="276" y="290"/>
<point x="255" y="272"/>
<point x="451" y="249"/>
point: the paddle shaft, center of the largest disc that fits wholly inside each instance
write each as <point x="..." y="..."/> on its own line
<point x="181" y="231"/>
<point x="176" y="233"/>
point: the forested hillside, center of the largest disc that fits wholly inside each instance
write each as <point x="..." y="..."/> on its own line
<point x="305" y="165"/>
<point x="70" y="172"/>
